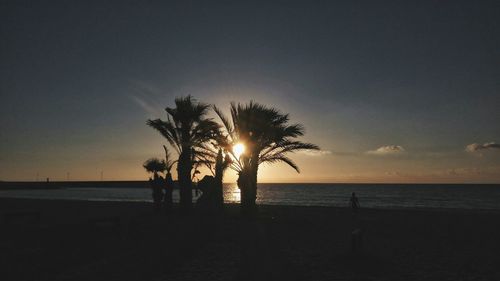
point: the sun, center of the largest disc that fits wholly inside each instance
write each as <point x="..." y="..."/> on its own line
<point x="238" y="149"/>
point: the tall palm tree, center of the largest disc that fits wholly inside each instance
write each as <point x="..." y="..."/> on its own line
<point x="185" y="129"/>
<point x="267" y="137"/>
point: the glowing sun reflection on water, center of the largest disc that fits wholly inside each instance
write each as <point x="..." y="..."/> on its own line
<point x="231" y="193"/>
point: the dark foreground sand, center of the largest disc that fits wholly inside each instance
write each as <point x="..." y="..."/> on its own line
<point x="77" y="240"/>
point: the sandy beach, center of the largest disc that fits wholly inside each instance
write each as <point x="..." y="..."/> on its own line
<point x="80" y="240"/>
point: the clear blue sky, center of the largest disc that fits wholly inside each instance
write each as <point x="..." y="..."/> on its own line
<point x="392" y="91"/>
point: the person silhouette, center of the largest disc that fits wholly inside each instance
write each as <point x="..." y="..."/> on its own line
<point x="354" y="201"/>
<point x="156" y="185"/>
<point x="168" y="186"/>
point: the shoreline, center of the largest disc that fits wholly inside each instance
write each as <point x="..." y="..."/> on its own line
<point x="264" y="206"/>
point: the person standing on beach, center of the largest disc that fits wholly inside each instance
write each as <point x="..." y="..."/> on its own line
<point x="354" y="202"/>
<point x="156" y="185"/>
<point x="169" y="188"/>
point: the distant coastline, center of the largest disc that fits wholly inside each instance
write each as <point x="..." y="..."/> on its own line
<point x="63" y="184"/>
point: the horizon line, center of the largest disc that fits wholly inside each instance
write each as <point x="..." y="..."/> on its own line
<point x="115" y="181"/>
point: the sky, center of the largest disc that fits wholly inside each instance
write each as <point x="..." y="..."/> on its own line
<point x="392" y="91"/>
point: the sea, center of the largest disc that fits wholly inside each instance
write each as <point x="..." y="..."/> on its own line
<point x="387" y="196"/>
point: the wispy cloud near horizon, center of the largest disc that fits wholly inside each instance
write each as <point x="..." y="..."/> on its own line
<point x="146" y="96"/>
<point x="315" y="152"/>
<point x="151" y="110"/>
<point x="474" y="147"/>
<point x="387" y="150"/>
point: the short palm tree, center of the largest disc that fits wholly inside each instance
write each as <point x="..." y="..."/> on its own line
<point x="267" y="137"/>
<point x="155" y="165"/>
<point x="185" y="129"/>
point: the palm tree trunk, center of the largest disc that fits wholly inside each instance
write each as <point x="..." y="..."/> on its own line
<point x="219" y="195"/>
<point x="219" y="175"/>
<point x="247" y="182"/>
<point x="243" y="186"/>
<point x="184" y="175"/>
<point x="169" y="187"/>
<point x="253" y="190"/>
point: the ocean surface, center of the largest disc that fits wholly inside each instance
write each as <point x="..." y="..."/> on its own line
<point x="454" y="196"/>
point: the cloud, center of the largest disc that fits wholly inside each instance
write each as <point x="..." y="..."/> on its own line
<point x="147" y="107"/>
<point x="387" y="150"/>
<point x="315" y="152"/>
<point x="473" y="147"/>
<point x="146" y="96"/>
<point x="474" y="171"/>
<point x="464" y="171"/>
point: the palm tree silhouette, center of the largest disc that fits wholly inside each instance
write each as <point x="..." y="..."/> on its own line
<point x="155" y="165"/>
<point x="185" y="129"/>
<point x="267" y="136"/>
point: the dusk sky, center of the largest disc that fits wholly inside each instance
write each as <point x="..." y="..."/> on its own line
<point x="392" y="91"/>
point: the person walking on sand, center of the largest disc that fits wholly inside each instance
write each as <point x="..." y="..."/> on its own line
<point x="354" y="201"/>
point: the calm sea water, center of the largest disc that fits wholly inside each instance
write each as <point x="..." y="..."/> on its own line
<point x="370" y="195"/>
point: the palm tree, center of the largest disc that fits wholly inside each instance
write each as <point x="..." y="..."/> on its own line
<point x="185" y="129"/>
<point x="267" y="137"/>
<point x="155" y="165"/>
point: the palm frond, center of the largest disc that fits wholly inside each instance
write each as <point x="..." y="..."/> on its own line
<point x="169" y="162"/>
<point x="280" y="158"/>
<point x="166" y="130"/>
<point x="225" y="121"/>
<point x="266" y="134"/>
<point x="154" y="165"/>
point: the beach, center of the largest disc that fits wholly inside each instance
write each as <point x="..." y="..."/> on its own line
<point x="85" y="240"/>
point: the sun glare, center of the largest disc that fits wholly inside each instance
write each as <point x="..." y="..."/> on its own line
<point x="238" y="149"/>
